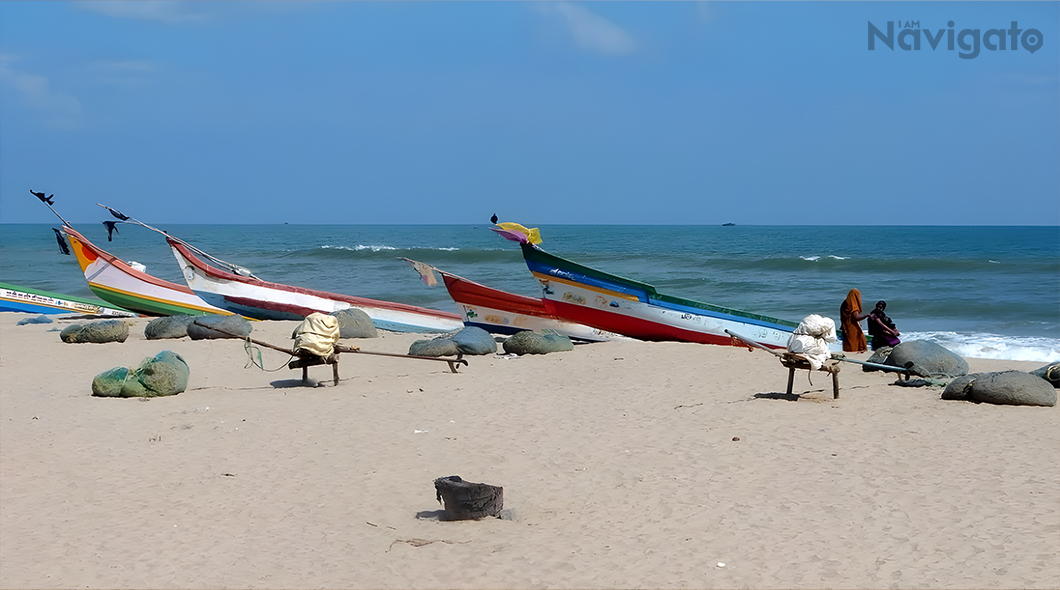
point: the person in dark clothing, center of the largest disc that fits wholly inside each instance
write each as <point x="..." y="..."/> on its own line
<point x="881" y="328"/>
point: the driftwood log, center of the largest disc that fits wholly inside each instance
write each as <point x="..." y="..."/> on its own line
<point x="464" y="500"/>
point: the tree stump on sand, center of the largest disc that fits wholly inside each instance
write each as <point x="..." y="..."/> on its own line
<point x="464" y="500"/>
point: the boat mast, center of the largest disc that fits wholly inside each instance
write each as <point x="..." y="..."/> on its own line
<point x="235" y="268"/>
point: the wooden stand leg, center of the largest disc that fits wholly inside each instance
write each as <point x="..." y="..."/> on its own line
<point x="791" y="379"/>
<point x="305" y="374"/>
<point x="835" y="385"/>
<point x="335" y="373"/>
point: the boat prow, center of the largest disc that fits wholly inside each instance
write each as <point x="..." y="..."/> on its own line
<point x="115" y="281"/>
<point x="253" y="297"/>
<point x="501" y="312"/>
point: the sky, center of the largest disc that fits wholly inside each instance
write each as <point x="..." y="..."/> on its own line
<point x="755" y="113"/>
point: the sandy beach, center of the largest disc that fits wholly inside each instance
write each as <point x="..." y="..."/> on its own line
<point x="624" y="464"/>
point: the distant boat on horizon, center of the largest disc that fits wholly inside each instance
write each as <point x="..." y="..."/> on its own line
<point x="728" y="224"/>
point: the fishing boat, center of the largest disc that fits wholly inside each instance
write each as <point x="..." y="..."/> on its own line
<point x="27" y="300"/>
<point x="608" y="302"/>
<point x="500" y="312"/>
<point x="240" y="292"/>
<point x="117" y="282"/>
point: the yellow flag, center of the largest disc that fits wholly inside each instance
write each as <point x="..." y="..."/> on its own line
<point x="532" y="235"/>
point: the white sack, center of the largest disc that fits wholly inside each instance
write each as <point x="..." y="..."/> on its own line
<point x="811" y="339"/>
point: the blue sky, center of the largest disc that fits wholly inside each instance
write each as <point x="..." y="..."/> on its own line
<point x="438" y="112"/>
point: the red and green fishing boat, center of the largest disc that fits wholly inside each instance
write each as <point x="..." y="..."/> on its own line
<point x="609" y="302"/>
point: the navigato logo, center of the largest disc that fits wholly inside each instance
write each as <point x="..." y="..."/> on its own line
<point x="910" y="35"/>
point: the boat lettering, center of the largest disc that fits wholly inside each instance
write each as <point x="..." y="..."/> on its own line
<point x="600" y="301"/>
<point x="85" y="307"/>
<point x="30" y="297"/>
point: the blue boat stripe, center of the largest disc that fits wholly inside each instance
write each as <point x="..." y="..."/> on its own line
<point x="559" y="273"/>
<point x="495" y="329"/>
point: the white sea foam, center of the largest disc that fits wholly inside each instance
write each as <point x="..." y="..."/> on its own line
<point x="816" y="258"/>
<point x="375" y="248"/>
<point x="993" y="346"/>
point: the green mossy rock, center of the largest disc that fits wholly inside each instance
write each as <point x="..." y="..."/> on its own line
<point x="474" y="340"/>
<point x="542" y="342"/>
<point x="173" y="326"/>
<point x="166" y="373"/>
<point x="109" y="383"/>
<point x="436" y="347"/>
<point x="95" y="332"/>
<point x="199" y="329"/>
<point x="355" y="323"/>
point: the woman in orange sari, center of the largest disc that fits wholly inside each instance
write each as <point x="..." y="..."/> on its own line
<point x="850" y="317"/>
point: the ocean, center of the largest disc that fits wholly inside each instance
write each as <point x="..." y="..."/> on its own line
<point x="987" y="292"/>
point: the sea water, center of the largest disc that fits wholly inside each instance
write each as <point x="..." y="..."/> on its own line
<point x="987" y="292"/>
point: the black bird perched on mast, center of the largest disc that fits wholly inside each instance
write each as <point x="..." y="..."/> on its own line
<point x="112" y="227"/>
<point x="43" y="199"/>
<point x="493" y="219"/>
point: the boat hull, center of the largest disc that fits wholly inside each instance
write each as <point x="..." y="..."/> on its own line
<point x="26" y="300"/>
<point x="114" y="281"/>
<point x="263" y="300"/>
<point x="500" y="312"/>
<point x="612" y="303"/>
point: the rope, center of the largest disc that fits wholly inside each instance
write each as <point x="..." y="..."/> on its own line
<point x="250" y="349"/>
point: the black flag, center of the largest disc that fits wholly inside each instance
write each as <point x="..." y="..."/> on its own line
<point x="62" y="242"/>
<point x="43" y="199"/>
<point x="118" y="214"/>
<point x="112" y="227"/>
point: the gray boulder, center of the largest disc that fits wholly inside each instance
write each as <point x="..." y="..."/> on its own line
<point x="354" y="323"/>
<point x="95" y="332"/>
<point x="1050" y="373"/>
<point x="434" y="347"/>
<point x="41" y="319"/>
<point x="542" y="342"/>
<point x="474" y="340"/>
<point x="1014" y="388"/>
<point x="470" y="340"/>
<point x="166" y="373"/>
<point x="199" y="329"/>
<point x="878" y="356"/>
<point x="929" y="359"/>
<point x="172" y="326"/>
<point x="960" y="387"/>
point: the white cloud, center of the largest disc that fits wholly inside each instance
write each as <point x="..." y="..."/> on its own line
<point x="167" y="11"/>
<point x="58" y="108"/>
<point x="593" y="32"/>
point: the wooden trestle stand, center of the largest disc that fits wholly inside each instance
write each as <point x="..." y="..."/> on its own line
<point x="793" y="362"/>
<point x="304" y="360"/>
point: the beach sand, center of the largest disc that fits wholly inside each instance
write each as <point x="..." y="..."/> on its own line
<point x="619" y="463"/>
